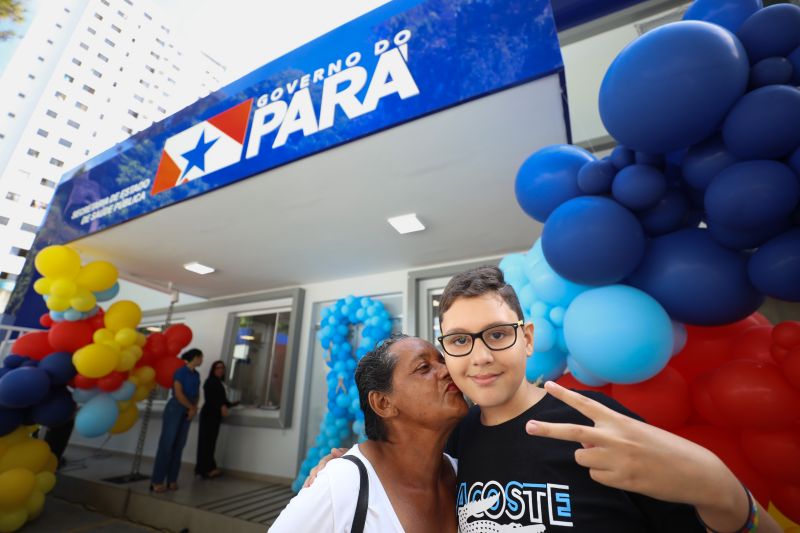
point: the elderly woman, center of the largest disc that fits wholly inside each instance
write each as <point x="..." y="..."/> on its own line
<point x="410" y="407"/>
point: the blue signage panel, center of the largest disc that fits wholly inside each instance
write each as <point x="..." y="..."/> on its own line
<point x="397" y="63"/>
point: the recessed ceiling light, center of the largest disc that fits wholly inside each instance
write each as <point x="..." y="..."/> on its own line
<point x="197" y="268"/>
<point x="154" y="329"/>
<point x="247" y="337"/>
<point x="406" y="223"/>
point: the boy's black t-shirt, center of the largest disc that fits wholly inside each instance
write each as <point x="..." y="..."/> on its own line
<point x="508" y="479"/>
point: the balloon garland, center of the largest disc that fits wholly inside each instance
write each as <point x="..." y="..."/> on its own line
<point x="344" y="418"/>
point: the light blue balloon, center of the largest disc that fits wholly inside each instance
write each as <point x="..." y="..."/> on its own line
<point x="618" y="334"/>
<point x="582" y="375"/>
<point x="72" y="315"/>
<point x="97" y="417"/>
<point x="557" y="316"/>
<point x="561" y="342"/>
<point x="57" y="316"/>
<point x="544" y="335"/>
<point x="125" y="392"/>
<point x="525" y="296"/>
<point x="545" y="366"/>
<point x="82" y="396"/>
<point x="539" y="309"/>
<point x="550" y="287"/>
<point x="108" y="294"/>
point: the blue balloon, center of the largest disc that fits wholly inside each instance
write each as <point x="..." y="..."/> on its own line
<point x="579" y="373"/>
<point x="23" y="387"/>
<point x="639" y="187"/>
<point x="551" y="288"/>
<point x="748" y="239"/>
<point x="544" y="335"/>
<point x="595" y="177"/>
<point x="556" y="316"/>
<point x="770" y="32"/>
<point x="752" y="194"/>
<point x="549" y="178"/>
<point x="794" y="59"/>
<point x="730" y="14"/>
<point x="56" y="410"/>
<point x="545" y="366"/>
<point x="672" y="86"/>
<point x="125" y="392"/>
<point x="696" y="280"/>
<point x="593" y="241"/>
<point x="705" y="160"/>
<point x="622" y="156"/>
<point x="775" y="268"/>
<point x="525" y="295"/>
<point x="59" y="367"/>
<point x="763" y="124"/>
<point x="84" y="395"/>
<point x="10" y="419"/>
<point x="97" y="417"/>
<point x="653" y="160"/>
<point x="539" y="309"/>
<point x="72" y="315"/>
<point x="771" y="71"/>
<point x="108" y="294"/>
<point x="57" y="316"/>
<point x="14" y="361"/>
<point x="679" y="337"/>
<point x="668" y="215"/>
<point x="619" y="334"/>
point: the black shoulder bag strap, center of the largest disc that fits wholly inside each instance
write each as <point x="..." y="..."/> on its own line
<point x="363" y="495"/>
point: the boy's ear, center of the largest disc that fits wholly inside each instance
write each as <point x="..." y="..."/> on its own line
<point x="381" y="404"/>
<point x="527" y="335"/>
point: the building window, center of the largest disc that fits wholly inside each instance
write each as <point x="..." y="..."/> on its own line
<point x="4" y="221"/>
<point x="150" y="69"/>
<point x="60" y="95"/>
<point x="64" y="142"/>
<point x="110" y="43"/>
<point x="11" y="115"/>
<point x="31" y="77"/>
<point x="47" y="183"/>
<point x="73" y="124"/>
<point x="102" y="57"/>
<point x="116" y="28"/>
<point x="50" y="113"/>
<point x="42" y="133"/>
<point x="162" y="110"/>
<point x="69" y="78"/>
<point x="92" y="30"/>
<point x="146" y="84"/>
<point x="21" y="95"/>
<point x="105" y="2"/>
<point x="121" y="14"/>
<point x="98" y="16"/>
<point x="127" y="130"/>
<point x="130" y="3"/>
<point x="38" y="204"/>
<point x="159" y="41"/>
<point x="56" y="162"/>
<point x="97" y="73"/>
<point x="33" y="153"/>
<point x="147" y="16"/>
<point x="77" y="61"/>
<point x="49" y="41"/>
<point x="30" y="228"/>
<point x="40" y="58"/>
<point x="88" y="89"/>
<point x="14" y="197"/>
<point x="84" y="46"/>
<point x="138" y="98"/>
<point x="155" y="55"/>
<point x="81" y="106"/>
<point x="133" y="113"/>
<point x="2" y="135"/>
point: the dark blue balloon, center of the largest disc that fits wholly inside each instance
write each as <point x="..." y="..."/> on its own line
<point x="738" y="239"/>
<point x="696" y="280"/>
<point x="596" y="177"/>
<point x="770" y="71"/>
<point x="549" y="178"/>
<point x="10" y="419"/>
<point x="794" y="161"/>
<point x="672" y="86"/>
<point x="654" y="160"/>
<point x="794" y="59"/>
<point x="775" y="268"/>
<point x="730" y="14"/>
<point x="593" y="240"/>
<point x="639" y="187"/>
<point x="59" y="367"/>
<point x="13" y="361"/>
<point x="56" y="410"/>
<point x="704" y="161"/>
<point x="4" y="371"/>
<point x="763" y="124"/>
<point x="621" y="157"/>
<point x="23" y="387"/>
<point x="752" y="194"/>
<point x="668" y="215"/>
<point x="770" y="32"/>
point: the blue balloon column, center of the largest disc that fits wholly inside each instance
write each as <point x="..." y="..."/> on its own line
<point x="693" y="218"/>
<point x="344" y="419"/>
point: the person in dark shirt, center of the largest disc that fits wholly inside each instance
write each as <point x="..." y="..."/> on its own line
<point x="215" y="407"/>
<point x="178" y="414"/>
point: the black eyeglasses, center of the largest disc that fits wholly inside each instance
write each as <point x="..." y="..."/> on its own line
<point x="495" y="338"/>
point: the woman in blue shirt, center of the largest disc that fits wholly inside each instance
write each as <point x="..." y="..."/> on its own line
<point x="178" y="414"/>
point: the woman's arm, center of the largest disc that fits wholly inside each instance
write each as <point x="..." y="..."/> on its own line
<point x="183" y="400"/>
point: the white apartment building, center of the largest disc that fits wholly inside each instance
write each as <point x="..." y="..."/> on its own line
<point x="87" y="75"/>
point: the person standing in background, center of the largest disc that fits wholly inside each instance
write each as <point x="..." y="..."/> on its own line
<point x="215" y="407"/>
<point x="178" y="414"/>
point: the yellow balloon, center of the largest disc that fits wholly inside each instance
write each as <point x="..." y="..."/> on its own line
<point x="126" y="420"/>
<point x="55" y="303"/>
<point x="45" y="481"/>
<point x="126" y="337"/>
<point x="142" y="392"/>
<point x="95" y="360"/>
<point x="136" y="351"/>
<point x="58" y="262"/>
<point x="114" y="345"/>
<point x="123" y="314"/>
<point x="145" y="374"/>
<point x="51" y="466"/>
<point x="134" y="380"/>
<point x="16" y="486"/>
<point x="63" y="288"/>
<point x="31" y="455"/>
<point x="34" y="504"/>
<point x="123" y="405"/>
<point x="42" y="286"/>
<point x="98" y="276"/>
<point x="102" y="335"/>
<point x="126" y="361"/>
<point x="83" y="300"/>
<point x="141" y="340"/>
<point x="786" y="523"/>
<point x="21" y="434"/>
<point x="13" y="520"/>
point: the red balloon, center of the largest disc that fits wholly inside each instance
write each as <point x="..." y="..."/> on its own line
<point x="148" y="358"/>
<point x="568" y="381"/>
<point x="165" y="370"/>
<point x="82" y="382"/>
<point x="753" y="343"/>
<point x="69" y="336"/>
<point x="157" y="344"/>
<point x="759" y="319"/>
<point x="174" y="347"/>
<point x="179" y="334"/>
<point x="705" y="350"/>
<point x="787" y="334"/>
<point x="723" y="444"/>
<point x="778" y="353"/>
<point x="45" y="320"/>
<point x="34" y="345"/>
<point x="112" y="382"/>
<point x="774" y="454"/>
<point x="662" y="400"/>
<point x="97" y="321"/>
<point x="787" y="499"/>
<point x="753" y="394"/>
<point x="704" y="405"/>
<point x="790" y="366"/>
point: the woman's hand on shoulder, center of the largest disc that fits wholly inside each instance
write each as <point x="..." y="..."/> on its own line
<point x="335" y="454"/>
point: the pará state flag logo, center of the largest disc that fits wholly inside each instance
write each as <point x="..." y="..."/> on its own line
<point x="204" y="148"/>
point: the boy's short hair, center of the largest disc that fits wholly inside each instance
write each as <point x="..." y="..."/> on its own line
<point x="477" y="282"/>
